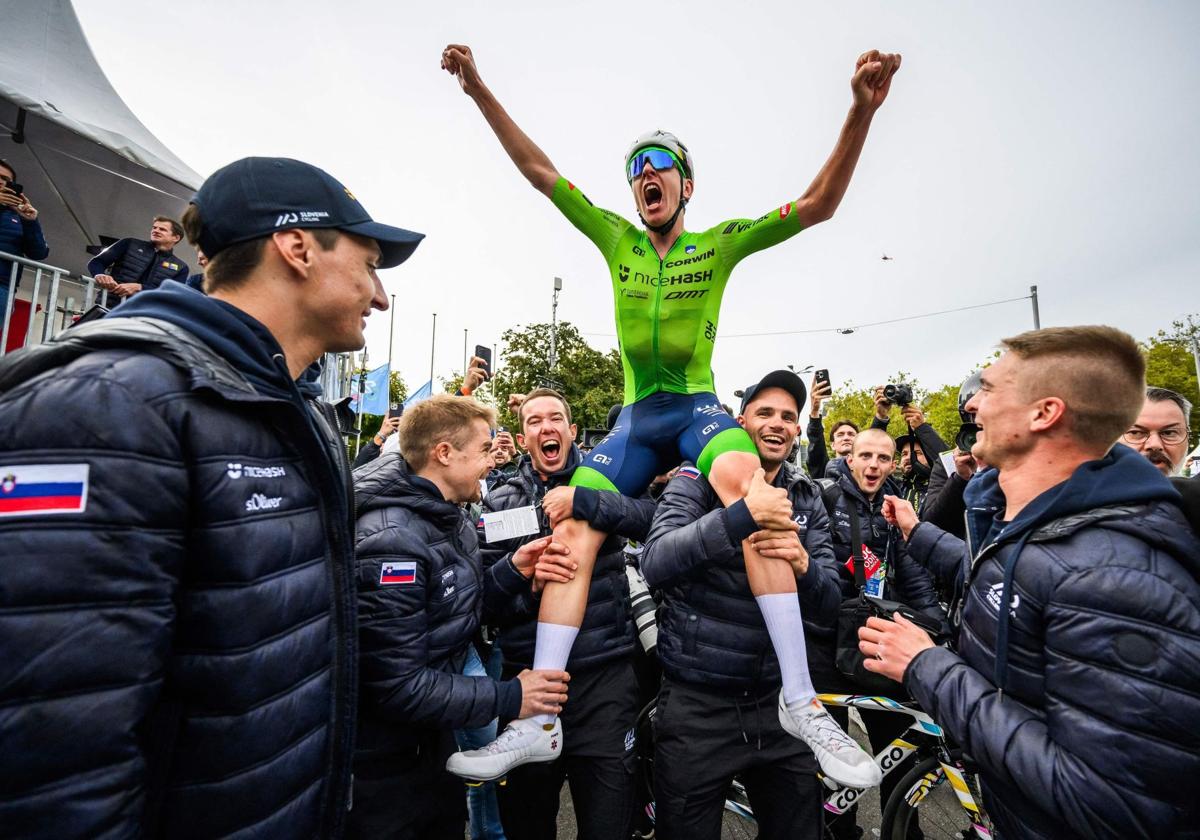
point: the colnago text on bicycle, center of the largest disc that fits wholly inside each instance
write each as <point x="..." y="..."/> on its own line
<point x="667" y="287"/>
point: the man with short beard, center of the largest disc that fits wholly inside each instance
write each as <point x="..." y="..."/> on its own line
<point x="721" y="677"/>
<point x="1073" y="685"/>
<point x="1161" y="434"/>
<point x="598" y="755"/>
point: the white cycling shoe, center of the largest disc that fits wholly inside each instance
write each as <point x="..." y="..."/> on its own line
<point x="521" y="742"/>
<point x="840" y="757"/>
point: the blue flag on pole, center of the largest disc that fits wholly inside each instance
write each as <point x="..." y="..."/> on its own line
<point x="422" y="393"/>
<point x="374" y="396"/>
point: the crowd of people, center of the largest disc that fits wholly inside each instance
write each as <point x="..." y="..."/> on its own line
<point x="213" y="626"/>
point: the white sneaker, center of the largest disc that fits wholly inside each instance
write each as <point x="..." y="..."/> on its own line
<point x="521" y="742"/>
<point x="841" y="759"/>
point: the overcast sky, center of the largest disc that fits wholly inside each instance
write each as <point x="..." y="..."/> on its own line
<point x="1022" y="143"/>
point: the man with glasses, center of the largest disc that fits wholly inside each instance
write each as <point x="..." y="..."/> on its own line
<point x="1161" y="430"/>
<point x="1161" y="434"/>
<point x="668" y="285"/>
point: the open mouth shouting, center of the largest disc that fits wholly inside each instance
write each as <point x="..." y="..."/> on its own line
<point x="552" y="452"/>
<point x="773" y="441"/>
<point x="652" y="196"/>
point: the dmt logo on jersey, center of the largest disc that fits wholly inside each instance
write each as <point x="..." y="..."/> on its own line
<point x="41" y="489"/>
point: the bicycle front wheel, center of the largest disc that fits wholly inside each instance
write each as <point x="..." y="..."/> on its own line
<point x="925" y="796"/>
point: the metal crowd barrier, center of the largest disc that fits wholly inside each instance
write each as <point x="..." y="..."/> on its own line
<point x="58" y="297"/>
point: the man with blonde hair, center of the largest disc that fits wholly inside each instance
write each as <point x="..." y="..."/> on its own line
<point x="1074" y="685"/>
<point x="420" y="601"/>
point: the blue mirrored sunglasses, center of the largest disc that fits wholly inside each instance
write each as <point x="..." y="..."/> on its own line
<point x="660" y="159"/>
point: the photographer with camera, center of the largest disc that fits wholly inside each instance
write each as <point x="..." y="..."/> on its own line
<point x="717" y="709"/>
<point x="918" y="448"/>
<point x="943" y="504"/>
<point x="597" y="758"/>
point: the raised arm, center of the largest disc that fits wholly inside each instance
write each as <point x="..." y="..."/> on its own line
<point x="871" y="82"/>
<point x="532" y="161"/>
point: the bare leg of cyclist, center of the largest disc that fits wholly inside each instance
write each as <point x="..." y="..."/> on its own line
<point x="773" y="585"/>
<point x="563" y="604"/>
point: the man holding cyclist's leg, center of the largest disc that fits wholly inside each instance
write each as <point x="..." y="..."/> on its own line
<point x="668" y="285"/>
<point x="716" y="710"/>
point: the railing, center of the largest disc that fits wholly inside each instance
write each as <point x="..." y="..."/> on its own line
<point x="66" y="296"/>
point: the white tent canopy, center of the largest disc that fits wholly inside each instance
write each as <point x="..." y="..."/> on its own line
<point x="84" y="159"/>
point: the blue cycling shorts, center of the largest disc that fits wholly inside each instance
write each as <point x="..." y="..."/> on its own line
<point x="656" y="434"/>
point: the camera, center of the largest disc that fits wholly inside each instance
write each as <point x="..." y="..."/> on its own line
<point x="898" y="394"/>
<point x="965" y="439"/>
<point x="643" y="608"/>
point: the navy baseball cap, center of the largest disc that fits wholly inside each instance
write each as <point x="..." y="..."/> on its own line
<point x="784" y="379"/>
<point x="256" y="196"/>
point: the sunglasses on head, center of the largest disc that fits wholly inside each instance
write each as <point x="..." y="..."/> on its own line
<point x="660" y="159"/>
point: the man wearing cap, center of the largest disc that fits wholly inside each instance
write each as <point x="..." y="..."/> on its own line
<point x="721" y="677"/>
<point x="178" y="602"/>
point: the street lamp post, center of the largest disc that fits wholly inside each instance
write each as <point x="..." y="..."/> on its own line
<point x="554" y="324"/>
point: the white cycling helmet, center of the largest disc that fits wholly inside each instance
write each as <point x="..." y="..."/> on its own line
<point x="668" y="141"/>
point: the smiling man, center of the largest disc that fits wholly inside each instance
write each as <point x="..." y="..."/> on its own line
<point x="1073" y="683"/>
<point x="721" y="677"/>
<point x="667" y="288"/>
<point x="178" y="600"/>
<point x="602" y="711"/>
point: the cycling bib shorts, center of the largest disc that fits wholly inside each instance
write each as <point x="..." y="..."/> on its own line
<point x="667" y="311"/>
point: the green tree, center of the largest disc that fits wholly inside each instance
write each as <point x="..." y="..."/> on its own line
<point x="1170" y="364"/>
<point x="591" y="381"/>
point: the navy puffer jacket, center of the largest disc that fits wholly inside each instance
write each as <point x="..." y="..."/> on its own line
<point x="419" y="604"/>
<point x="710" y="629"/>
<point x="1079" y="701"/>
<point x="607" y="632"/>
<point x="138" y="261"/>
<point x="178" y="657"/>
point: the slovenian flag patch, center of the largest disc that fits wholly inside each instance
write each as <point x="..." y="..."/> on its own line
<point x="394" y="573"/>
<point x="40" y="489"/>
<point x="689" y="472"/>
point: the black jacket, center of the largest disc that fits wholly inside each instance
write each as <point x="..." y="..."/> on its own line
<point x="710" y="630"/>
<point x="419" y="603"/>
<point x="1079" y="700"/>
<point x="137" y="261"/>
<point x="913" y="584"/>
<point x="178" y="657"/>
<point x="607" y="632"/>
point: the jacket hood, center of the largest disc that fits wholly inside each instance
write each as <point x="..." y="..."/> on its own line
<point x="1122" y="477"/>
<point x="240" y="339"/>
<point x="389" y="482"/>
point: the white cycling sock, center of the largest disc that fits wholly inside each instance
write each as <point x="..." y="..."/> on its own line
<point x="781" y="611"/>
<point x="553" y="649"/>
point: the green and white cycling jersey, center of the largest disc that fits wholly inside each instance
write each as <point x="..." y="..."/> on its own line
<point x="667" y="309"/>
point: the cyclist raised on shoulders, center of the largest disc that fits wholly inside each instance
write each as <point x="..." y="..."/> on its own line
<point x="667" y="286"/>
